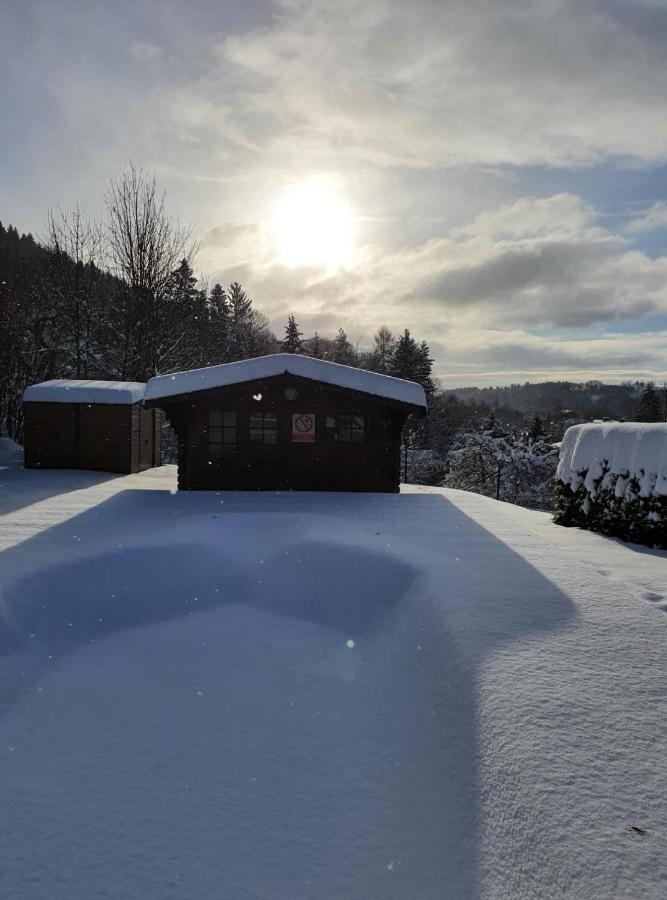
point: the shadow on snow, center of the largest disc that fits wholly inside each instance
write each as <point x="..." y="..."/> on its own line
<point x="386" y="775"/>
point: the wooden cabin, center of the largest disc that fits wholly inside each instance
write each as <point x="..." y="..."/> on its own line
<point x="99" y="425"/>
<point x="286" y="422"/>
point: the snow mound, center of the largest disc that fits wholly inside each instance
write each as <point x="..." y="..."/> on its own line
<point x="615" y="452"/>
<point x="398" y="389"/>
<point x="64" y="390"/>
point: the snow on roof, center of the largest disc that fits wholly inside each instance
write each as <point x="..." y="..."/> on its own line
<point x="163" y="386"/>
<point x="64" y="390"/>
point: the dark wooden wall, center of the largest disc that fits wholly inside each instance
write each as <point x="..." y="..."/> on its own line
<point x="100" y="437"/>
<point x="324" y="465"/>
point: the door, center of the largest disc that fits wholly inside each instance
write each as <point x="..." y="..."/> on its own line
<point x="146" y="439"/>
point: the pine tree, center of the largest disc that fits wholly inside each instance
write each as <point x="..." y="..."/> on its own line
<point x="182" y="323"/>
<point x="240" y="322"/>
<point x="293" y="342"/>
<point x="218" y="305"/>
<point x="406" y="361"/>
<point x="536" y="429"/>
<point x="423" y="374"/>
<point x="380" y="357"/>
<point x="343" y="351"/>
<point x="315" y="348"/>
<point x="218" y="326"/>
<point x="649" y="408"/>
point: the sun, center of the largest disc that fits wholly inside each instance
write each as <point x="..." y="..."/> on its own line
<point x="314" y="225"/>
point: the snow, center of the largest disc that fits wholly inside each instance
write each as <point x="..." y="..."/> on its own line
<point x="64" y="390"/>
<point x="629" y="449"/>
<point x="278" y="364"/>
<point x="423" y="695"/>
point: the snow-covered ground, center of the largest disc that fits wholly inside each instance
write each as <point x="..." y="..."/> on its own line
<point x="373" y="697"/>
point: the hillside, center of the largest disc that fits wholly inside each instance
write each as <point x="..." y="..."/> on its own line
<point x="587" y="400"/>
<point x="322" y="696"/>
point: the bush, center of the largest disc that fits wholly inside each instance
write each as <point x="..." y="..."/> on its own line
<point x="613" y="479"/>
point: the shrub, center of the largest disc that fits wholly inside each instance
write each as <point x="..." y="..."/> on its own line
<point x="612" y="479"/>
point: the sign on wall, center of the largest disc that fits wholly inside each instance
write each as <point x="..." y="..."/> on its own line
<point x="303" y="428"/>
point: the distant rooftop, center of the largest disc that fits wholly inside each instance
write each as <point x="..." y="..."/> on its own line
<point x="164" y="386"/>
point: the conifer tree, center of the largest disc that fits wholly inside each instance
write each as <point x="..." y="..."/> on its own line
<point x="405" y="362"/>
<point x="240" y="322"/>
<point x="649" y="408"/>
<point x="315" y="348"/>
<point x="293" y="342"/>
<point x="424" y="369"/>
<point x="218" y="326"/>
<point x="380" y="357"/>
<point x="536" y="429"/>
<point x="343" y="351"/>
<point x="182" y="323"/>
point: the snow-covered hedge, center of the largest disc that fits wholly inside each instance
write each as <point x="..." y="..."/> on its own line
<point x="613" y="479"/>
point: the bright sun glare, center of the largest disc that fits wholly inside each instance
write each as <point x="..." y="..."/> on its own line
<point x="313" y="225"/>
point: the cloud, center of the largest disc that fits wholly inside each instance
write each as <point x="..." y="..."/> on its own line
<point x="653" y="217"/>
<point x="492" y="357"/>
<point x="537" y="262"/>
<point x="432" y="84"/>
<point x="146" y="52"/>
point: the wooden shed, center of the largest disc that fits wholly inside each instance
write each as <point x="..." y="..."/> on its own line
<point x="286" y="422"/>
<point x="99" y="425"/>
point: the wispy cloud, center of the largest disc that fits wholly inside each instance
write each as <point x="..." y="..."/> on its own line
<point x="649" y="219"/>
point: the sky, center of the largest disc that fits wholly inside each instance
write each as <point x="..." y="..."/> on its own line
<point x="491" y="175"/>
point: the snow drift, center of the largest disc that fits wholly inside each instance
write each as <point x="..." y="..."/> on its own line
<point x="612" y="478"/>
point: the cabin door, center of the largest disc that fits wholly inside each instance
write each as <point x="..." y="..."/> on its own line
<point x="146" y="439"/>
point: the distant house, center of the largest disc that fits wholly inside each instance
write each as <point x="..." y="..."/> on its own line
<point x="286" y="422"/>
<point x="100" y="425"/>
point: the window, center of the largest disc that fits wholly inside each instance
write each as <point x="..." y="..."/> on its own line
<point x="347" y="429"/>
<point x="221" y="432"/>
<point x="263" y="428"/>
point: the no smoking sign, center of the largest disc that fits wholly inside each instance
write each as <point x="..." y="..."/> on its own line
<point x="303" y="428"/>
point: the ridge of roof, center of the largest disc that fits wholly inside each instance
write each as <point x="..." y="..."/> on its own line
<point x="226" y="374"/>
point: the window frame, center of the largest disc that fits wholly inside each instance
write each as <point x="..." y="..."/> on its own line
<point x="264" y="433"/>
<point x="222" y="432"/>
<point x="347" y="430"/>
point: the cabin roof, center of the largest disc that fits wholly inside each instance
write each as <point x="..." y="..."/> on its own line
<point x="64" y="390"/>
<point x="261" y="367"/>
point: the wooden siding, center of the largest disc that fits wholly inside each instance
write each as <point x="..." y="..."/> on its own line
<point x="325" y="464"/>
<point x="99" y="437"/>
<point x="50" y="437"/>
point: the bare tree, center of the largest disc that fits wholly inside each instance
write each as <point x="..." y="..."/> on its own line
<point x="145" y="246"/>
<point x="75" y="243"/>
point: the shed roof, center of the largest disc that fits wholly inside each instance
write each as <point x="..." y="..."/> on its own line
<point x="64" y="390"/>
<point x="166" y="386"/>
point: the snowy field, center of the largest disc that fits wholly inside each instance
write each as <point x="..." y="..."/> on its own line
<point x="318" y="697"/>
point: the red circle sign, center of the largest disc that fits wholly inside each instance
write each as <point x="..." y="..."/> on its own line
<point x="303" y="424"/>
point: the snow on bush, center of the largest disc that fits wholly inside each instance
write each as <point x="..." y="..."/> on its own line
<point x="504" y="464"/>
<point x="612" y="478"/>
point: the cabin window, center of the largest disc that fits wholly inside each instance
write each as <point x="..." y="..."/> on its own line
<point x="263" y="428"/>
<point x="222" y="431"/>
<point x="347" y="429"/>
<point x="378" y="429"/>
